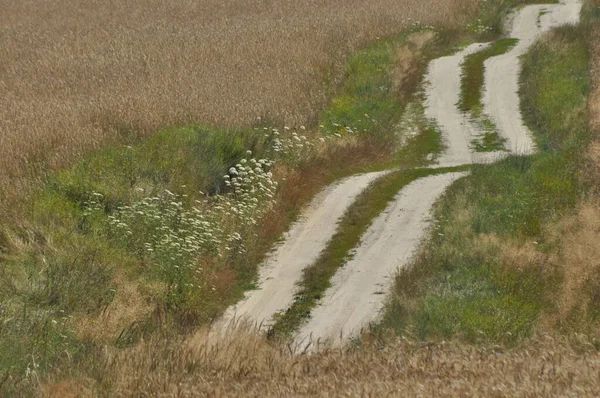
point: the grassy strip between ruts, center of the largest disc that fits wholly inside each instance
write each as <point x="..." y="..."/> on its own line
<point x="473" y="75"/>
<point x="471" y="91"/>
<point x="358" y="218"/>
<point x="489" y="271"/>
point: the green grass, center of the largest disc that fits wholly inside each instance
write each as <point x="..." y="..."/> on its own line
<point x="489" y="140"/>
<point x="366" y="101"/>
<point x="369" y="103"/>
<point x="465" y="283"/>
<point x="473" y="76"/>
<point x="554" y="89"/>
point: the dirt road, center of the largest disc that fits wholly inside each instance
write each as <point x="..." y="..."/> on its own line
<point x="442" y="90"/>
<point x="301" y="247"/>
<point x="358" y="289"/>
<point x="501" y="98"/>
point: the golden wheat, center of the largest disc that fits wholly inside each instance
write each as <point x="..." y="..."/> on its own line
<point x="75" y="73"/>
<point x="242" y="364"/>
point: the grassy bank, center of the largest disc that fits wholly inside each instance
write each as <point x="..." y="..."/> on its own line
<point x="491" y="269"/>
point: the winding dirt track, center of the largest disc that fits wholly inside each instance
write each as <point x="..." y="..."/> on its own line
<point x="442" y="89"/>
<point x="357" y="294"/>
<point x="501" y="98"/>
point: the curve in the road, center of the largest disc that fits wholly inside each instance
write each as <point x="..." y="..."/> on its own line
<point x="501" y="96"/>
<point x="354" y="299"/>
<point x="442" y="91"/>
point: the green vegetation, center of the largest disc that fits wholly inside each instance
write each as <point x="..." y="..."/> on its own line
<point x="73" y="260"/>
<point x="485" y="274"/>
<point x="489" y="140"/>
<point x="366" y="103"/>
<point x="554" y="91"/>
<point x="473" y="75"/>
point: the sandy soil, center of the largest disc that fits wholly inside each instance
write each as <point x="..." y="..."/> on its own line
<point x="356" y="297"/>
<point x="501" y="98"/>
<point x="301" y="247"/>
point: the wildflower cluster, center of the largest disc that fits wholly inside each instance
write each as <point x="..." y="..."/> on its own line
<point x="478" y="27"/>
<point x="290" y="146"/>
<point x="178" y="236"/>
<point x="253" y="191"/>
<point x="161" y="229"/>
<point x="174" y="235"/>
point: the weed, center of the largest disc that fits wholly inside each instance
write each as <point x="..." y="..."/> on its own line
<point x="489" y="139"/>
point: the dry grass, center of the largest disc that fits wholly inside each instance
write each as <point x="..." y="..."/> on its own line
<point x="128" y="306"/>
<point x="592" y="172"/>
<point x="578" y="256"/>
<point x="594" y="98"/>
<point x="406" y="60"/>
<point x="247" y="365"/>
<point x="76" y="74"/>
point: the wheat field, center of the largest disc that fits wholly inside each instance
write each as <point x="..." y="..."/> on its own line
<point x="76" y="74"/>
<point x="245" y="365"/>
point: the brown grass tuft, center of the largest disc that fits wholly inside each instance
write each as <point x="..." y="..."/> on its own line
<point x="406" y="60"/>
<point x="578" y="258"/>
<point x="594" y="98"/>
<point x="128" y="306"/>
<point x="592" y="171"/>
<point x="67" y="389"/>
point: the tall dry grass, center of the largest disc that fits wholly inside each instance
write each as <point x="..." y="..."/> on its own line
<point x="592" y="173"/>
<point x="75" y="74"/>
<point x="243" y="365"/>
